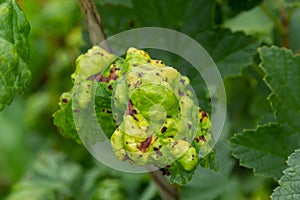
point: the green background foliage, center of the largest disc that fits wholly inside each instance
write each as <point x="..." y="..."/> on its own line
<point x="261" y="80"/>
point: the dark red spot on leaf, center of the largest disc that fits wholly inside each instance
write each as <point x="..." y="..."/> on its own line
<point x="163" y="129"/>
<point x="182" y="81"/>
<point x="165" y="171"/>
<point x="145" y="145"/>
<point x="202" y="138"/>
<point x="180" y="93"/>
<point x="126" y="157"/>
<point x="131" y="111"/>
<point x="157" y="151"/>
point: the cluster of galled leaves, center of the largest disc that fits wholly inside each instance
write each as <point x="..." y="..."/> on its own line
<point x="161" y="125"/>
<point x="144" y="107"/>
<point x="231" y="52"/>
<point x="14" y="51"/>
<point x="90" y="66"/>
<point x="267" y="148"/>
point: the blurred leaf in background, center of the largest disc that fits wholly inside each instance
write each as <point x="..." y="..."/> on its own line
<point x="51" y="177"/>
<point x="14" y="51"/>
<point x="14" y="150"/>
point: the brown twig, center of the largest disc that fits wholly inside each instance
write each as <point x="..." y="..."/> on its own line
<point x="285" y="26"/>
<point x="281" y="25"/>
<point x="94" y="24"/>
<point x="166" y="191"/>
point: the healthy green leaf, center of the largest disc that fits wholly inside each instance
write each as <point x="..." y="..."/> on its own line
<point x="289" y="188"/>
<point x="194" y="21"/>
<point x="123" y="18"/>
<point x="266" y="148"/>
<point x="144" y="10"/>
<point x="230" y="51"/>
<point x="14" y="51"/>
<point x="230" y="8"/>
<point x="282" y="70"/>
<point x="247" y="22"/>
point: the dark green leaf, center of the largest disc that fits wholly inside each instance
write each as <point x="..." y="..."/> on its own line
<point x="294" y="29"/>
<point x="180" y="15"/>
<point x="14" y="51"/>
<point x="230" y="51"/>
<point x="282" y="70"/>
<point x="230" y="8"/>
<point x="289" y="188"/>
<point x="266" y="148"/>
<point x="160" y="13"/>
<point x="117" y="18"/>
<point x="238" y="6"/>
<point x="198" y="17"/>
<point x="247" y="22"/>
<point x="292" y="2"/>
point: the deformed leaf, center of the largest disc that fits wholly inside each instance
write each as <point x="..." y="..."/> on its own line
<point x="289" y="188"/>
<point x="14" y="51"/>
<point x="144" y="107"/>
<point x="89" y="67"/>
<point x="63" y="118"/>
